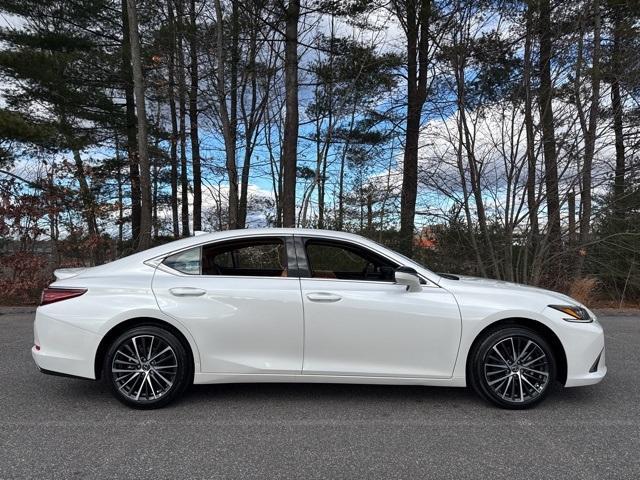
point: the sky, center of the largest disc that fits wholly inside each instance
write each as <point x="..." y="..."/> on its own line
<point x="437" y="153"/>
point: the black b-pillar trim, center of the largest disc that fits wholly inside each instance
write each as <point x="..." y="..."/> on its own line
<point x="301" y="256"/>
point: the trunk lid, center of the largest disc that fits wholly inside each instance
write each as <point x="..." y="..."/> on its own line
<point x="64" y="273"/>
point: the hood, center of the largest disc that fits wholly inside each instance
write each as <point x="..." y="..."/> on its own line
<point x="503" y="287"/>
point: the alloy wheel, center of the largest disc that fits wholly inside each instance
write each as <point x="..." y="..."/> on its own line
<point x="144" y="368"/>
<point x="516" y="369"/>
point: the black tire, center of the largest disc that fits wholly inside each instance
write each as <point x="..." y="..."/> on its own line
<point x="495" y="377"/>
<point x="157" y="384"/>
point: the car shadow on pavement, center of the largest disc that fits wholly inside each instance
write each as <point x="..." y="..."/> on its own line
<point x="253" y="396"/>
<point x="327" y="393"/>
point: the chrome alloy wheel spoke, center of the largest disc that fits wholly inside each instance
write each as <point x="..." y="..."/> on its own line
<point x="144" y="367"/>
<point x="516" y="369"/>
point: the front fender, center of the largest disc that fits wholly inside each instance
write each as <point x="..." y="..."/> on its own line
<point x="473" y="324"/>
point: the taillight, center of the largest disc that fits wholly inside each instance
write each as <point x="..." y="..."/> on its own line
<point x="51" y="295"/>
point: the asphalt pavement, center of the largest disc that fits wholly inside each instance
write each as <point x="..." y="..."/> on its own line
<point x="53" y="427"/>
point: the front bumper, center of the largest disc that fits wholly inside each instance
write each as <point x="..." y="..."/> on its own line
<point x="583" y="344"/>
<point x="594" y="375"/>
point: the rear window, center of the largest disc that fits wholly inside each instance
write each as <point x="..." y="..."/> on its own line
<point x="262" y="258"/>
<point x="185" y="262"/>
<point x="265" y="258"/>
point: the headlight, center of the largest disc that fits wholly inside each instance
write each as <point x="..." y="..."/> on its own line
<point x="576" y="314"/>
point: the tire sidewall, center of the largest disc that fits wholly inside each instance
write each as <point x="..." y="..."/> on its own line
<point x="182" y="376"/>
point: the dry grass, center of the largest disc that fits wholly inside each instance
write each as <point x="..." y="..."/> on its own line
<point x="584" y="290"/>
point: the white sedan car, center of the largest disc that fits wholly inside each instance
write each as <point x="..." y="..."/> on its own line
<point x="287" y="305"/>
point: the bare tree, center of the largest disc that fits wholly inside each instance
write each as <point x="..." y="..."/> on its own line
<point x="175" y="219"/>
<point x="228" y="118"/>
<point x="257" y="79"/>
<point x="532" y="204"/>
<point x="290" y="141"/>
<point x="548" y="133"/>
<point x="617" y="61"/>
<point x="182" y="114"/>
<point x="193" y="118"/>
<point x="415" y="17"/>
<point x="588" y="126"/>
<point x="143" y="153"/>
<point x="131" y="124"/>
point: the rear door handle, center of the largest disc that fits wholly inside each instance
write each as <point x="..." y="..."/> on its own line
<point x="187" y="292"/>
<point x="325" y="297"/>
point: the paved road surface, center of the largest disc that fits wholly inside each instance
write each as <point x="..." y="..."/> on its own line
<point x="53" y="427"/>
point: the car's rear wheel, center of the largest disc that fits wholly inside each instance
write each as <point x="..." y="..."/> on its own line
<point x="512" y="367"/>
<point x="147" y="367"/>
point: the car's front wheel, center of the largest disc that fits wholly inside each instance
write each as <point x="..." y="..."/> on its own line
<point x="147" y="367"/>
<point x="512" y="367"/>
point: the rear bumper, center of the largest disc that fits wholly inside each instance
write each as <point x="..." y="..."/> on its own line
<point x="62" y="366"/>
<point x="58" y="374"/>
<point x="64" y="349"/>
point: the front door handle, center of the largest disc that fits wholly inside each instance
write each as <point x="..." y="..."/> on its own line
<point x="325" y="297"/>
<point x="187" y="292"/>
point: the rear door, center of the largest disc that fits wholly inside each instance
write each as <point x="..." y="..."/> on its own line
<point x="240" y="300"/>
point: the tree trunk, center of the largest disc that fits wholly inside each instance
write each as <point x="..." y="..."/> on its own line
<point x="156" y="173"/>
<point x="120" y="196"/>
<point x="417" y="31"/>
<point x="143" y="155"/>
<point x="233" y="101"/>
<point x="369" y="214"/>
<point x="321" y="193"/>
<point x="571" y="207"/>
<point x="343" y="161"/>
<point x="131" y="127"/>
<point x="193" y="120"/>
<point x="228" y="121"/>
<point x="174" y="124"/>
<point x="465" y="196"/>
<point x="276" y="173"/>
<point x="532" y="204"/>
<point x="321" y="167"/>
<point x="340" y="219"/>
<point x="290" y="141"/>
<point x="549" y="139"/>
<point x="616" y="104"/>
<point x="184" y="177"/>
<point x="88" y="207"/>
<point x="244" y="189"/>
<point x="590" y="134"/>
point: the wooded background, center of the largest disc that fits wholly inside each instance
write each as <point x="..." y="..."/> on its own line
<point x="492" y="138"/>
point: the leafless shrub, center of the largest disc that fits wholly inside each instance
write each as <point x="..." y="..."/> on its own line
<point x="584" y="289"/>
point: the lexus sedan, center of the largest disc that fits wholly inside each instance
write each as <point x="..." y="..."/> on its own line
<point x="289" y="305"/>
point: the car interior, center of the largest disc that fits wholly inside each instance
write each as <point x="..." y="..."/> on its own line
<point x="346" y="262"/>
<point x="263" y="259"/>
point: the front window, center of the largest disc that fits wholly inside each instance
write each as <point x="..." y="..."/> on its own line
<point x="335" y="260"/>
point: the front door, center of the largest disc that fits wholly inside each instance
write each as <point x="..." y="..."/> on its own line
<point x="240" y="303"/>
<point x="359" y="322"/>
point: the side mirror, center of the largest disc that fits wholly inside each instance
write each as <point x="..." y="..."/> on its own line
<point x="409" y="277"/>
